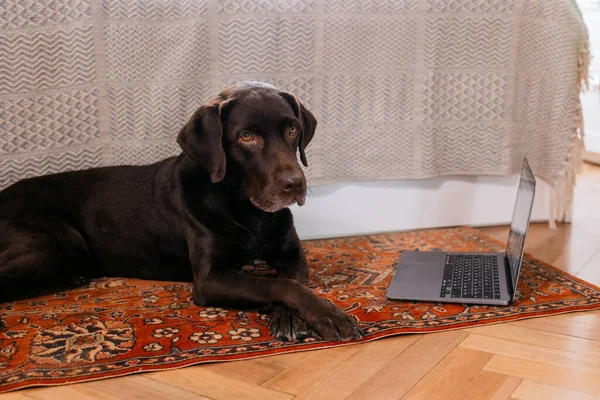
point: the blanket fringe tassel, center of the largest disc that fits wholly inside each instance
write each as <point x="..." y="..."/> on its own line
<point x="562" y="195"/>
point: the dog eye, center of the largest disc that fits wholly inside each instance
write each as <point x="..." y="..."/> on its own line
<point x="292" y="130"/>
<point x="247" y="136"/>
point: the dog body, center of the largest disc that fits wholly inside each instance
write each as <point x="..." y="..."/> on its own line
<point x="195" y="217"/>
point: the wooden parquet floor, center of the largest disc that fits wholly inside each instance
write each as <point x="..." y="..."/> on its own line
<point x="547" y="358"/>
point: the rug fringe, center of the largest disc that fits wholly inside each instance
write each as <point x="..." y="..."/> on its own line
<point x="563" y="189"/>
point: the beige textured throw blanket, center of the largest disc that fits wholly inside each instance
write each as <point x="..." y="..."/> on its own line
<point x="401" y="88"/>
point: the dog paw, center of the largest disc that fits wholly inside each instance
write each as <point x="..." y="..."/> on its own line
<point x="287" y="325"/>
<point x="332" y="324"/>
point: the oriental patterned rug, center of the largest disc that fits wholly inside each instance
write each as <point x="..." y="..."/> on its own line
<point x="113" y="327"/>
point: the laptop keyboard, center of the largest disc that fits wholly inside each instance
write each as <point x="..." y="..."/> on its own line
<point x="471" y="276"/>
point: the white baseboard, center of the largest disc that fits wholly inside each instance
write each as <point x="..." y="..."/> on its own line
<point x="591" y="157"/>
<point x="347" y="209"/>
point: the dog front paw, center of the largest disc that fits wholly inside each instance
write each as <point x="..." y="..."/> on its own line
<point x="287" y="325"/>
<point x="333" y="324"/>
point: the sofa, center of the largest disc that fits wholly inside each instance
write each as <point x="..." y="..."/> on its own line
<point x="426" y="108"/>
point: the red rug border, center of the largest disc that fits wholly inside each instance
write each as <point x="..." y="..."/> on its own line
<point x="320" y="345"/>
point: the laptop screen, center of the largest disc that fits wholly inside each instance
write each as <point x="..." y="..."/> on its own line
<point x="520" y="221"/>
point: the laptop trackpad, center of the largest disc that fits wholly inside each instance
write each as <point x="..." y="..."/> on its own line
<point x="426" y="257"/>
<point x="419" y="273"/>
<point x="417" y="281"/>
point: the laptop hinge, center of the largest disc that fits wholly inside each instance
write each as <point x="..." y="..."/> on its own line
<point x="509" y="282"/>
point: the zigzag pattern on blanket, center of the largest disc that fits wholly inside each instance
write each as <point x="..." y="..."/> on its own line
<point x="272" y="44"/>
<point x="391" y="154"/>
<point x="372" y="6"/>
<point x="14" y="169"/>
<point x="134" y="59"/>
<point x="366" y="100"/>
<point x="154" y="111"/>
<point x="534" y="55"/>
<point x="555" y="10"/>
<point x="144" y="153"/>
<point x="303" y="87"/>
<point x="442" y="149"/>
<point x="153" y="10"/>
<point x="535" y="116"/>
<point x="545" y="101"/>
<point x="369" y="44"/>
<point x="467" y="42"/>
<point x="532" y="106"/>
<point x="47" y="60"/>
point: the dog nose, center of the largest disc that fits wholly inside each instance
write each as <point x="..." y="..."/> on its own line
<point x="290" y="180"/>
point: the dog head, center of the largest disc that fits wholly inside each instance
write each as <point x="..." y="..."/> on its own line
<point x="251" y="132"/>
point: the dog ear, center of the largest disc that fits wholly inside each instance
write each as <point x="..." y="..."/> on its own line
<point x="309" y="123"/>
<point x="201" y="140"/>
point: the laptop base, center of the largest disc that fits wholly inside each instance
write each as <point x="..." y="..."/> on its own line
<point x="420" y="275"/>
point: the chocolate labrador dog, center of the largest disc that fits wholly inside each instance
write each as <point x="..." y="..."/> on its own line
<point x="198" y="217"/>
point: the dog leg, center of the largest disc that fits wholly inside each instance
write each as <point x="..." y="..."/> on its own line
<point x="287" y="256"/>
<point x="232" y="290"/>
<point x="285" y="252"/>
<point x="33" y="261"/>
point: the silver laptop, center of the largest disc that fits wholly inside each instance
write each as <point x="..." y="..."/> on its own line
<point x="475" y="278"/>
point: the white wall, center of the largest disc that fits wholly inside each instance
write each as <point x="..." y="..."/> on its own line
<point x="591" y="99"/>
